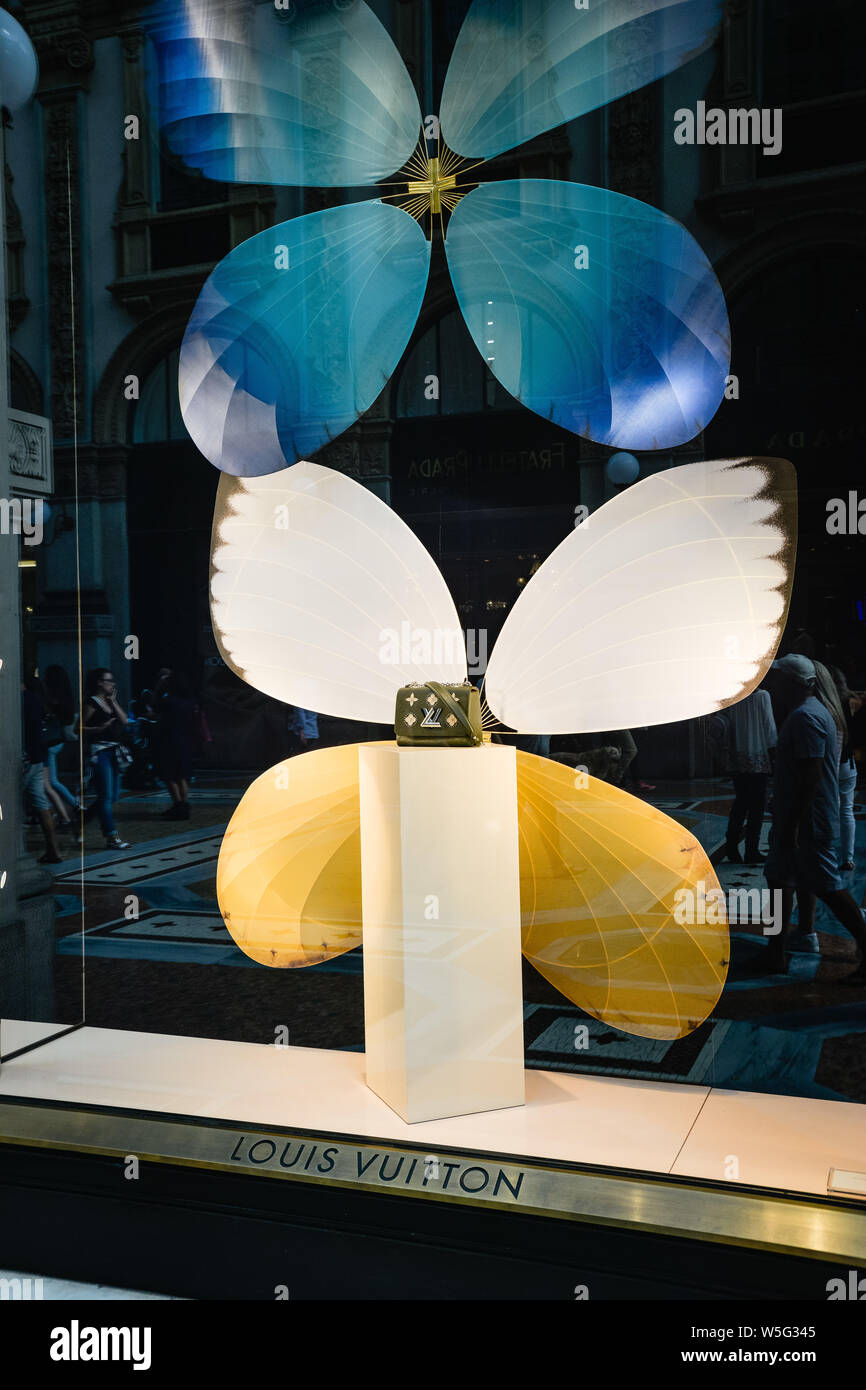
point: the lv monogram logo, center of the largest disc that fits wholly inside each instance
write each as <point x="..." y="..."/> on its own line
<point x="431" y="718"/>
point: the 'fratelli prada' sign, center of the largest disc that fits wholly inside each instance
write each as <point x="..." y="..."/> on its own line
<point x="462" y="463"/>
<point x="362" y="1166"/>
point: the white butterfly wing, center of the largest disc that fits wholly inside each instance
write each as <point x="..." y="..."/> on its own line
<point x="666" y="603"/>
<point x="322" y="597"/>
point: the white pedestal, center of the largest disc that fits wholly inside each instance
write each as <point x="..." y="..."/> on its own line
<point x="441" y="901"/>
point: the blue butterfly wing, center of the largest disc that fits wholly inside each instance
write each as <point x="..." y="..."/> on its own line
<point x="297" y="331"/>
<point x="593" y="309"/>
<point x="519" y="69"/>
<point x="317" y="95"/>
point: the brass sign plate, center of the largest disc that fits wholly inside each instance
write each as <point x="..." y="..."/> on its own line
<point x="804" y="1226"/>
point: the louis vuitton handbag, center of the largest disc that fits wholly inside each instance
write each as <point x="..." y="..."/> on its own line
<point x="438" y="716"/>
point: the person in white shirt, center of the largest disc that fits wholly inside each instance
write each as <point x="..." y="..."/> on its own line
<point x="750" y="734"/>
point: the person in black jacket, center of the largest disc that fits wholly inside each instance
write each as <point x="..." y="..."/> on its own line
<point x="174" y="739"/>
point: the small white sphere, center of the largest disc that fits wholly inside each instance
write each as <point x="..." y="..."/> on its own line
<point x="19" y="69"/>
<point x="622" y="469"/>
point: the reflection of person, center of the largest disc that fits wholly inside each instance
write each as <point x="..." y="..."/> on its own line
<point x="622" y="740"/>
<point x="35" y="792"/>
<point x="806" y="817"/>
<point x="595" y="759"/>
<point x="604" y="755"/>
<point x="851" y="702"/>
<point x="60" y="720"/>
<point x="303" y="727"/>
<point x="538" y="744"/>
<point x="639" y="782"/>
<point x="174" y="740"/>
<point x="750" y="733"/>
<point x="803" y="644"/>
<point x="826" y="692"/>
<point x="103" y="726"/>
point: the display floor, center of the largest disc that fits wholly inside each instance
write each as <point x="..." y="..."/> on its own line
<point x="738" y="1137"/>
<point x="682" y="1162"/>
<point x="579" y="1119"/>
<point x="782" y="1142"/>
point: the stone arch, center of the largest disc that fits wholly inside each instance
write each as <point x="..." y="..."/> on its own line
<point x="797" y="357"/>
<point x="799" y="398"/>
<point x="785" y="249"/>
<point x="834" y="228"/>
<point x="140" y="352"/>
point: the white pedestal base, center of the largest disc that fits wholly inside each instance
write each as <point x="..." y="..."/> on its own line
<point x="441" y="902"/>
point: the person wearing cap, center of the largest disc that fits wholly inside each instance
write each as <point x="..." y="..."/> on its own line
<point x="806" y="815"/>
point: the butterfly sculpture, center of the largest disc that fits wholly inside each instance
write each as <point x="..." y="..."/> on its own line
<point x="595" y="311"/>
<point x="591" y="308"/>
<point x="667" y="603"/>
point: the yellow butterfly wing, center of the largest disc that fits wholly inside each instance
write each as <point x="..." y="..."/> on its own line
<point x="600" y="872"/>
<point x="607" y="885"/>
<point x="289" y="872"/>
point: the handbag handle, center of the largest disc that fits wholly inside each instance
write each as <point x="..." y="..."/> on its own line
<point x="455" y="707"/>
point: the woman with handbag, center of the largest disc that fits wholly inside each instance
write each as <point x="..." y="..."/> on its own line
<point x="104" y="728"/>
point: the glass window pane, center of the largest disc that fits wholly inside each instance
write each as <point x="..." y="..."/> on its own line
<point x="418" y="390"/>
<point x="462" y="368"/>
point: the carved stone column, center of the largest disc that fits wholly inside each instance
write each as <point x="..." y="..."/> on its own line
<point x="26" y="909"/>
<point x="10" y="726"/>
<point x="65" y="280"/>
<point x="133" y="207"/>
<point x="65" y="59"/>
<point x="16" y="298"/>
<point x="737" y="162"/>
<point x="632" y="121"/>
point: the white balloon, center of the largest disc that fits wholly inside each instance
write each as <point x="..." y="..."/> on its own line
<point x="19" y="68"/>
